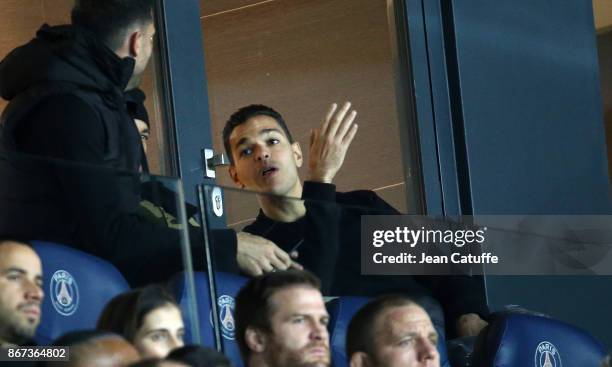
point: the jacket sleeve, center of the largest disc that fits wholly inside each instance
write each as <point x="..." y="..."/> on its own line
<point x="68" y="132"/>
<point x="319" y="252"/>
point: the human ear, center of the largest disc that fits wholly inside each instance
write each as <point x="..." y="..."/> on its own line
<point x="234" y="176"/>
<point x="135" y="43"/>
<point x="255" y="340"/>
<point x="360" y="359"/>
<point x="297" y="154"/>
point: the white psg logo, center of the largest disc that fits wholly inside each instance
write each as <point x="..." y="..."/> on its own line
<point x="226" y="316"/>
<point x="547" y="355"/>
<point x="64" y="293"/>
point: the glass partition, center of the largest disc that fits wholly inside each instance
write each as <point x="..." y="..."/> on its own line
<point x="356" y="243"/>
<point x="359" y="245"/>
<point x="118" y="222"/>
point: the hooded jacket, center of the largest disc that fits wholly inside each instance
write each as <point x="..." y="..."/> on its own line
<point x="75" y="178"/>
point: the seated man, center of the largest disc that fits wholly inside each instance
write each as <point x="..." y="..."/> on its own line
<point x="325" y="227"/>
<point x="20" y="293"/>
<point x="392" y="331"/>
<point x="281" y="321"/>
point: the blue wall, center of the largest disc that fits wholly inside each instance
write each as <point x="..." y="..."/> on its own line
<point x="526" y="112"/>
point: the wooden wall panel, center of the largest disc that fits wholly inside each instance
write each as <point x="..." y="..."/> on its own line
<point x="19" y="20"/>
<point x="602" y="11"/>
<point x="298" y="56"/>
<point x="212" y="7"/>
<point x="604" y="43"/>
<point x="57" y="11"/>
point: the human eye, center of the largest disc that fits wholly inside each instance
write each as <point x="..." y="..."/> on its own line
<point x="434" y="338"/>
<point x="273" y="141"/>
<point x="406" y="342"/>
<point x="246" y="152"/>
<point x="13" y="276"/>
<point x="144" y="137"/>
<point x="297" y="319"/>
<point x="325" y="321"/>
<point x="158" y="336"/>
<point x="181" y="335"/>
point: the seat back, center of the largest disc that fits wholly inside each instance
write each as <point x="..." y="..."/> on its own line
<point x="228" y="286"/>
<point x="518" y="340"/>
<point x="341" y="311"/>
<point x="77" y="286"/>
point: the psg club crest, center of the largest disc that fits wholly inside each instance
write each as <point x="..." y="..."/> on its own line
<point x="547" y="355"/>
<point x="226" y="306"/>
<point x="64" y="293"/>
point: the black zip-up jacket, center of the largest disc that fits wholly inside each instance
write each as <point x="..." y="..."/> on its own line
<point x="67" y="107"/>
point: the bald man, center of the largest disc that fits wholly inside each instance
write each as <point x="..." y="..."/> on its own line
<point x="392" y="331"/>
<point x="92" y="348"/>
<point x="21" y="293"/>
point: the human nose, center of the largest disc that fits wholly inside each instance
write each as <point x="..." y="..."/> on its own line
<point x="427" y="350"/>
<point x="319" y="331"/>
<point x="176" y="341"/>
<point x="261" y="153"/>
<point x="33" y="291"/>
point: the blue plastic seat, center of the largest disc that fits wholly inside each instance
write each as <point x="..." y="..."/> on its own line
<point x="518" y="340"/>
<point x="77" y="286"/>
<point x="228" y="286"/>
<point x="341" y="311"/>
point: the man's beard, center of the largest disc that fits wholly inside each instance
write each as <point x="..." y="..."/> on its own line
<point x="278" y="357"/>
<point x="15" y="330"/>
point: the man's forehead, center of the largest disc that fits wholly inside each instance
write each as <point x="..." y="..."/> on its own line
<point x="404" y="319"/>
<point x="254" y="127"/>
<point x="18" y="255"/>
<point x="297" y="299"/>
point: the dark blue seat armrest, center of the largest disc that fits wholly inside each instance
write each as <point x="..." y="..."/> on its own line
<point x="516" y="340"/>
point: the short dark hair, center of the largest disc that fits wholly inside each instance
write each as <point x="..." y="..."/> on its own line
<point x="125" y="313"/>
<point x="253" y="301"/>
<point x="149" y="362"/>
<point x="110" y="19"/>
<point x="242" y="115"/>
<point x="199" y="356"/>
<point x="360" y="331"/>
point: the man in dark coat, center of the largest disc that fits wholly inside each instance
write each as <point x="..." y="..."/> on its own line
<point x="67" y="114"/>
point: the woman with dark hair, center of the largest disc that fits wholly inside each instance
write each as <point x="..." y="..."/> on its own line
<point x="147" y="317"/>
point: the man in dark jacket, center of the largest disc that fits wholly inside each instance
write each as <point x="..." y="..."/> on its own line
<point x="324" y="228"/>
<point x="67" y="113"/>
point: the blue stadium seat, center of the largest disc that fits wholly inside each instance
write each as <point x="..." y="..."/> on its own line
<point x="228" y="286"/>
<point x="77" y="286"/>
<point x="341" y="310"/>
<point x="518" y="340"/>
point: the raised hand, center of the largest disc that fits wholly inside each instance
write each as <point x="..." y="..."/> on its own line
<point x="330" y="142"/>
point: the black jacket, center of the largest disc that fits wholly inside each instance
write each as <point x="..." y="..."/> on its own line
<point x="66" y="93"/>
<point x="329" y="238"/>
